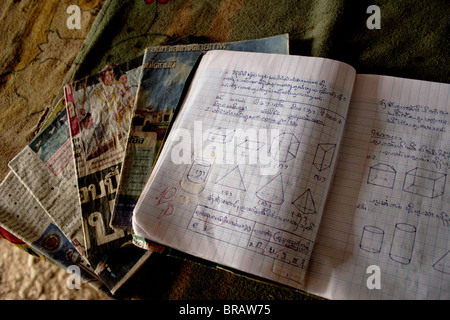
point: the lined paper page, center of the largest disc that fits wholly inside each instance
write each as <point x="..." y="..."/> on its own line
<point x="389" y="204"/>
<point x="244" y="175"/>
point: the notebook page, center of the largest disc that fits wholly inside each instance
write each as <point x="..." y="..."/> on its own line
<point x="244" y="174"/>
<point x="389" y="204"/>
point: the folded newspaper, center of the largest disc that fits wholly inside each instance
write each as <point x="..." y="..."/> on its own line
<point x="23" y="216"/>
<point x="46" y="168"/>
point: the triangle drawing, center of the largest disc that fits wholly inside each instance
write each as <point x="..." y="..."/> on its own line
<point x="232" y="179"/>
<point x="443" y="264"/>
<point x="273" y="191"/>
<point x="305" y="203"/>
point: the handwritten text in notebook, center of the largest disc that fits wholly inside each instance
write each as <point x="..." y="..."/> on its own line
<point x="389" y="203"/>
<point x="260" y="217"/>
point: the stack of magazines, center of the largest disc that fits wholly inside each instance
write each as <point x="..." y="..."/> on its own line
<point x="70" y="194"/>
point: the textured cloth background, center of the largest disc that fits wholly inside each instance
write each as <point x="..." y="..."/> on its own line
<point x="42" y="53"/>
<point x="37" y="51"/>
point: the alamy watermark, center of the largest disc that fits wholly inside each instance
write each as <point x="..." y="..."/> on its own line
<point x="374" y="21"/>
<point x="267" y="148"/>
<point x="374" y="280"/>
<point x="74" y="280"/>
<point x="74" y="20"/>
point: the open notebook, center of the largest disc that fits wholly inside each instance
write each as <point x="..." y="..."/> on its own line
<point x="300" y="171"/>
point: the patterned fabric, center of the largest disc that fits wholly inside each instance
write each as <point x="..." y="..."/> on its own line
<point x="38" y="50"/>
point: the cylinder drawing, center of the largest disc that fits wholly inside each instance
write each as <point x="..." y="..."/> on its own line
<point x="372" y="239"/>
<point x="403" y="243"/>
<point x="197" y="173"/>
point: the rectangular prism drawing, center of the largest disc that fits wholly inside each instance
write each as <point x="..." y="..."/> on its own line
<point x="324" y="156"/>
<point x="423" y="182"/>
<point x="221" y="135"/>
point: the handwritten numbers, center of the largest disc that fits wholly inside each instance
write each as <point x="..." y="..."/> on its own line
<point x="74" y="20"/>
<point x="264" y="203"/>
<point x="165" y="200"/>
<point x="374" y="21"/>
<point x="374" y="280"/>
<point x="320" y="178"/>
<point x="227" y="193"/>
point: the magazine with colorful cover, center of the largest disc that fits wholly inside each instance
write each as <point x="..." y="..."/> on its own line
<point x="166" y="71"/>
<point x="46" y="167"/>
<point x="99" y="109"/>
<point x="22" y="245"/>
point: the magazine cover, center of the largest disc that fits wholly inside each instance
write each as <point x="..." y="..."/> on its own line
<point x="22" y="245"/>
<point x="99" y="108"/>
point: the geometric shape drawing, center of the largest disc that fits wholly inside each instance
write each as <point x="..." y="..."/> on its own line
<point x="273" y="191"/>
<point x="443" y="264"/>
<point x="248" y="151"/>
<point x="424" y="182"/>
<point x="285" y="147"/>
<point x="382" y="175"/>
<point x="199" y="171"/>
<point x="251" y="144"/>
<point x="371" y="239"/>
<point x="403" y="243"/>
<point x="232" y="179"/>
<point x="305" y="203"/>
<point x="220" y="135"/>
<point x="194" y="180"/>
<point x="324" y="156"/>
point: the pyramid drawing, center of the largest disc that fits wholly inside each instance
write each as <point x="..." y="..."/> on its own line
<point x="232" y="179"/>
<point x="273" y="191"/>
<point x="443" y="264"/>
<point x="305" y="203"/>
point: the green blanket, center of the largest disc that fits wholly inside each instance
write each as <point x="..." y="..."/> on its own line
<point x="412" y="42"/>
